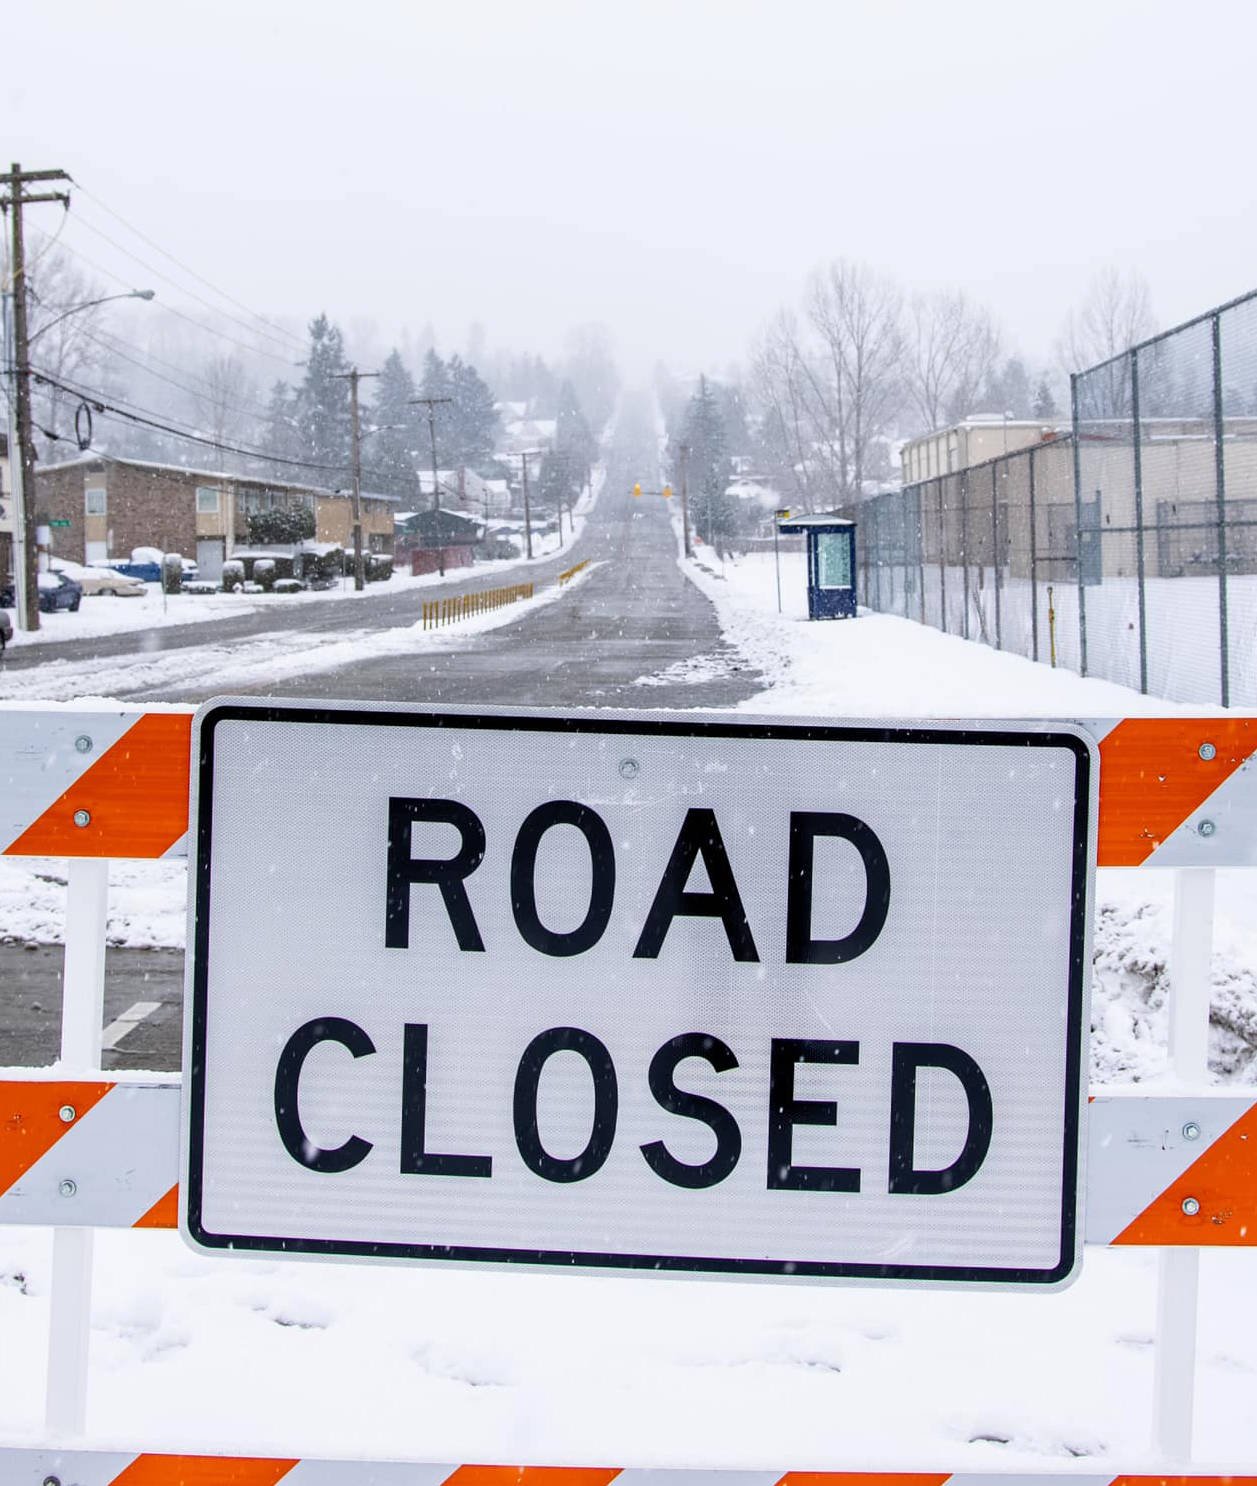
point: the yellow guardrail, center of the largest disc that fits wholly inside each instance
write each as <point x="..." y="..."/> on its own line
<point x="572" y="572"/>
<point x="437" y="612"/>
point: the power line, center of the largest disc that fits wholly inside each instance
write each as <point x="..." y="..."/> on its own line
<point x="174" y="283"/>
<point x="170" y="310"/>
<point x="222" y="293"/>
<point x="115" y="348"/>
<point x="100" y="404"/>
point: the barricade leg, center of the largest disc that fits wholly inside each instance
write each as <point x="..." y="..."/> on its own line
<point x="82" y="1016"/>
<point x="1191" y="956"/>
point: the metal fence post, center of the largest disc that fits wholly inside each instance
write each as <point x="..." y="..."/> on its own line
<point x="999" y="644"/>
<point x="1139" y="519"/>
<point x="1034" y="569"/>
<point x="1219" y="466"/>
<point x="920" y="504"/>
<point x="1082" y="591"/>
<point x="964" y="553"/>
<point x="942" y="562"/>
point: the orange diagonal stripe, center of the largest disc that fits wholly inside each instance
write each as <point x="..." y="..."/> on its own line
<point x="1152" y="778"/>
<point x="202" y="1470"/>
<point x="1184" y="1481"/>
<point x="1223" y="1179"/>
<point x="529" y="1475"/>
<point x="31" y="1123"/>
<point x="136" y="794"/>
<point x="858" y="1478"/>
<point x="164" y="1213"/>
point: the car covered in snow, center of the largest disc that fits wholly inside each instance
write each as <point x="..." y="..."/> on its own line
<point x="56" y="591"/>
<point x="99" y="580"/>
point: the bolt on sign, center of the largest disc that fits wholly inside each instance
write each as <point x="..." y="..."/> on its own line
<point x="762" y="999"/>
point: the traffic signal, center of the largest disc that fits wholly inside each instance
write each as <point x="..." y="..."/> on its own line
<point x="637" y="491"/>
<point x="667" y="492"/>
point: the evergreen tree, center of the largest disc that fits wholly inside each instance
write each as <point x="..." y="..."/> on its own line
<point x="591" y="369"/>
<point x="281" y="436"/>
<point x="1044" y="402"/>
<point x="712" y="513"/>
<point x="435" y="382"/>
<point x="572" y="434"/>
<point x="389" y="457"/>
<point x="473" y="424"/>
<point x="322" y="412"/>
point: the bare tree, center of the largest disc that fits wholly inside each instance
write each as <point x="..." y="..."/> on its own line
<point x="1115" y="315"/>
<point x="64" y="343"/>
<point x="953" y="349"/>
<point x="792" y="416"/>
<point x="857" y="315"/>
<point x="226" y="394"/>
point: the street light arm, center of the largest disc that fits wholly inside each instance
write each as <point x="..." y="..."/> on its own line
<point x="88" y="305"/>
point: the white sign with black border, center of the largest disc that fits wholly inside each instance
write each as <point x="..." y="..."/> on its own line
<point x="757" y="999"/>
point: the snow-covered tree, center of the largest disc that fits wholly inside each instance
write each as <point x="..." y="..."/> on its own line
<point x="707" y="470"/>
<point x="473" y="424"/>
<point x="322" y="414"/>
<point x="396" y="433"/>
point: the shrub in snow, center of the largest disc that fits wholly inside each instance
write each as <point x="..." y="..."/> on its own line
<point x="172" y="572"/>
<point x="200" y="586"/>
<point x="233" y="575"/>
<point x="286" y="585"/>
<point x="379" y="566"/>
<point x="264" y="573"/>
<point x="250" y="586"/>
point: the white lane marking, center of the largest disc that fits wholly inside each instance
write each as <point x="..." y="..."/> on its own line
<point x="127" y="1022"/>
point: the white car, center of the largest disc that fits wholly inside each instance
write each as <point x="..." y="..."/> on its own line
<point x="94" y="580"/>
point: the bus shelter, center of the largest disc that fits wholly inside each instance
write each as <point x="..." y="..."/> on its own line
<point x="830" y="563"/>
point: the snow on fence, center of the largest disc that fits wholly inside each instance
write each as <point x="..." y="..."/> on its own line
<point x="82" y="1151"/>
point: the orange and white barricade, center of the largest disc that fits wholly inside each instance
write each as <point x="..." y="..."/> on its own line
<point x="82" y="1150"/>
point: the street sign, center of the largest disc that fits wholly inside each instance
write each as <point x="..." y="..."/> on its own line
<point x="762" y="999"/>
<point x="58" y="523"/>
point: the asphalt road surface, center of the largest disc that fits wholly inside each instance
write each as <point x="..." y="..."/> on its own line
<point x="636" y="616"/>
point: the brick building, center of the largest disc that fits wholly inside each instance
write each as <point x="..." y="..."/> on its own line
<point x="114" y="505"/>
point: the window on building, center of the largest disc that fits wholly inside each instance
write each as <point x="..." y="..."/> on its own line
<point x="206" y="500"/>
<point x="94" y="500"/>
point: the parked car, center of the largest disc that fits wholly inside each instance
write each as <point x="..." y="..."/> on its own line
<point x="94" y="579"/>
<point x="6" y="630"/>
<point x="56" y="591"/>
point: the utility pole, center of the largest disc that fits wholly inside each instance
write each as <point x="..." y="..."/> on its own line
<point x="524" y="456"/>
<point x="430" y="403"/>
<point x="26" y="559"/>
<point x="684" y="451"/>
<point x="353" y="376"/>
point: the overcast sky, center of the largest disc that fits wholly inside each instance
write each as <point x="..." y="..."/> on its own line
<point x="673" y="169"/>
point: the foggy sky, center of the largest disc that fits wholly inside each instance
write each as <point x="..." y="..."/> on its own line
<point x="671" y="169"/>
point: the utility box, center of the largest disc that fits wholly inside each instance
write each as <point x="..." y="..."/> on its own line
<point x="830" y="563"/>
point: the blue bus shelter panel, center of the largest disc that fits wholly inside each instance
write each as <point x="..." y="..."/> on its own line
<point x="831" y="573"/>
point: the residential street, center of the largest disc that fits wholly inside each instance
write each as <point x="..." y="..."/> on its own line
<point x="635" y="617"/>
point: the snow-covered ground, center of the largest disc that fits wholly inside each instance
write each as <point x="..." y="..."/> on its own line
<point x="105" y="615"/>
<point x="274" y="656"/>
<point x="355" y="1360"/>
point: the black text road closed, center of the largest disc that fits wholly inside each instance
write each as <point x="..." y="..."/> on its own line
<point x="765" y="999"/>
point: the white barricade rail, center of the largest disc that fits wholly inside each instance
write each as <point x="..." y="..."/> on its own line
<point x="86" y="1151"/>
<point x="118" y="1468"/>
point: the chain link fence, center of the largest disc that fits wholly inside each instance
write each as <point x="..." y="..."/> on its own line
<point x="1127" y="550"/>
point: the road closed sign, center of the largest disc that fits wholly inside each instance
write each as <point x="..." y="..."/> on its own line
<point x="761" y="999"/>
